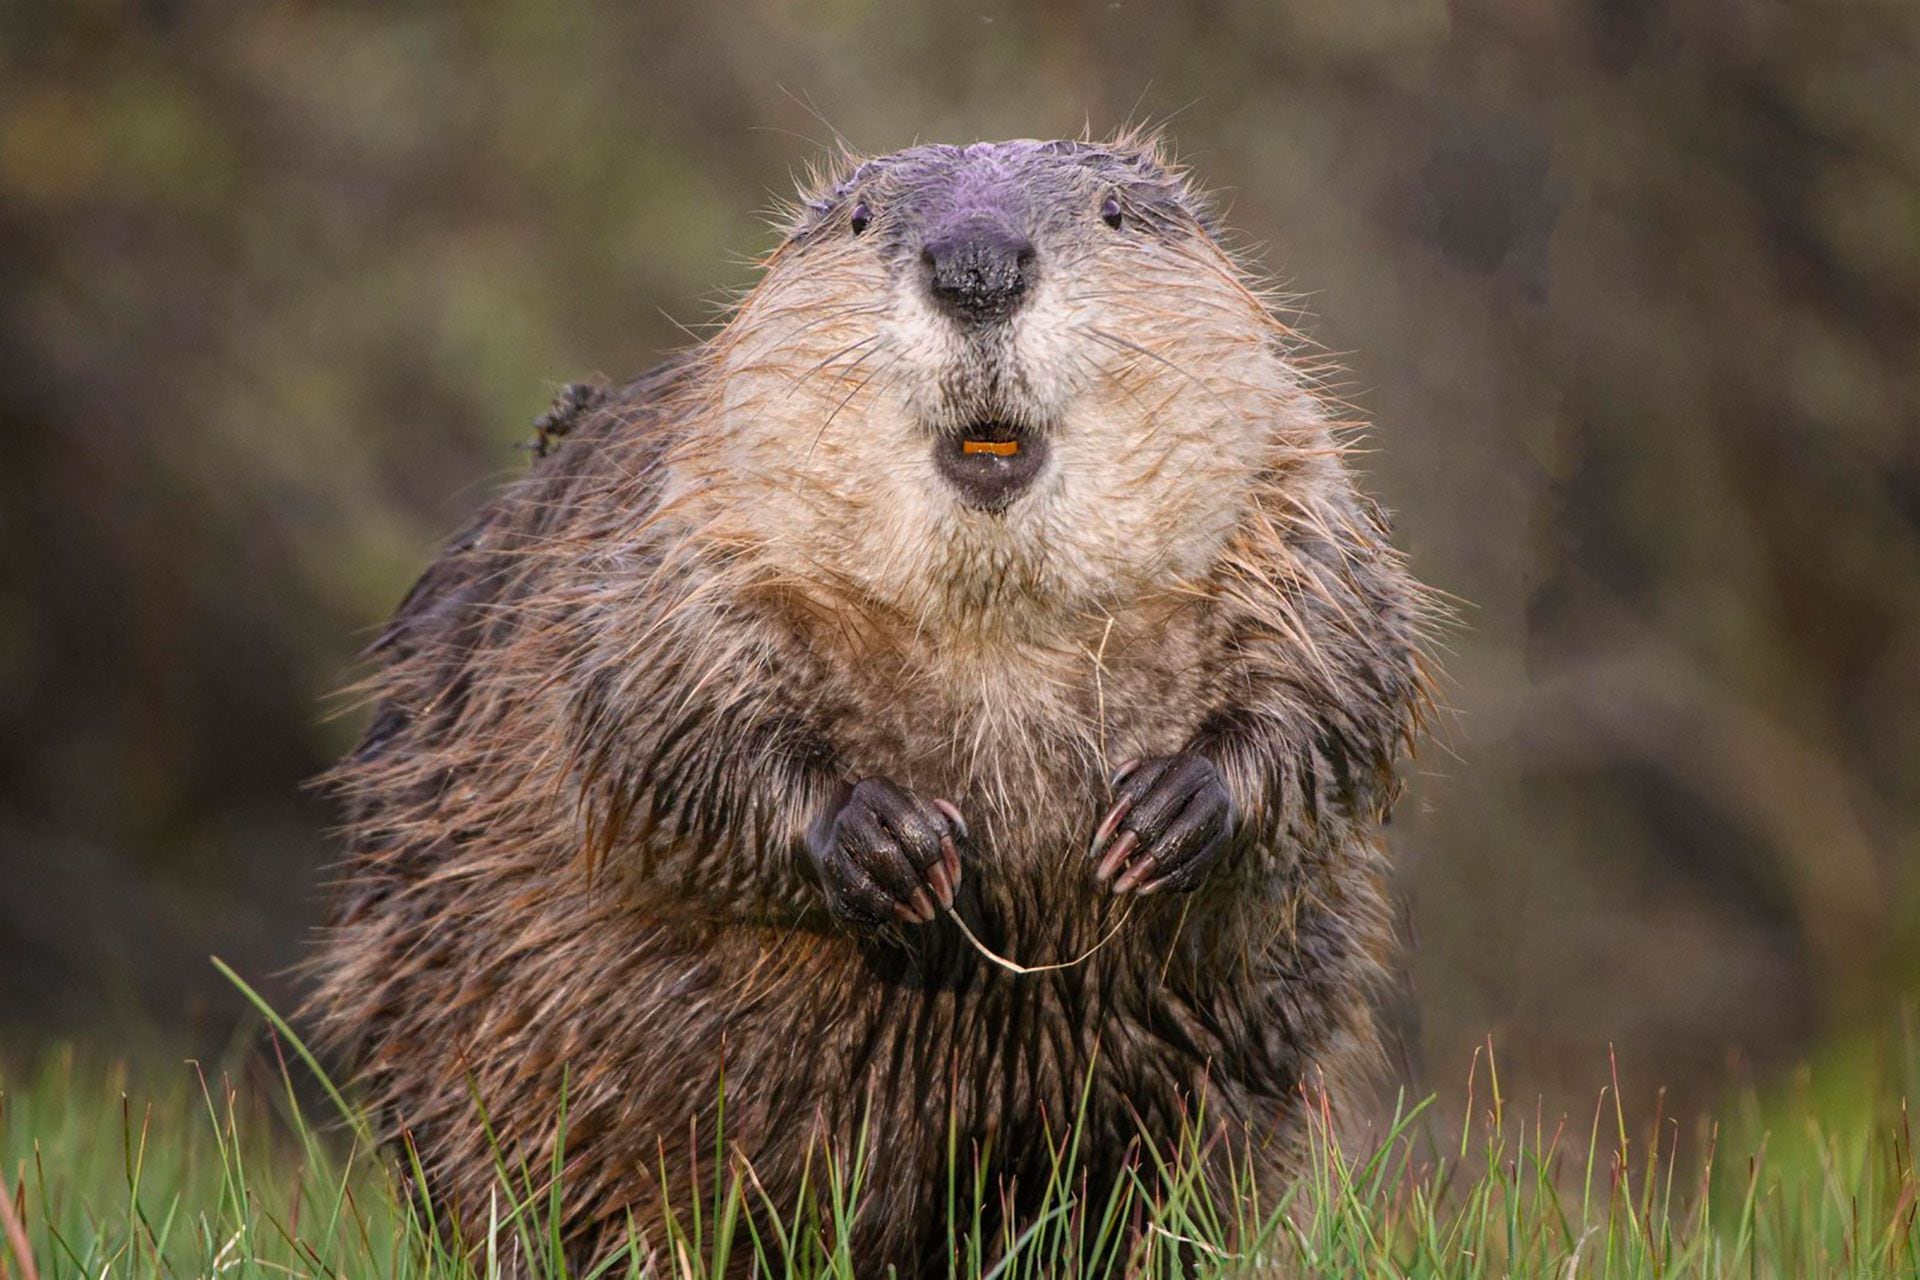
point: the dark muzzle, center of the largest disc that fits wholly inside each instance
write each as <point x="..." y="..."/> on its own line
<point x="979" y="272"/>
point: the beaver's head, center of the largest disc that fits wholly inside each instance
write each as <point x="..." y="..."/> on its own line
<point x="1016" y="374"/>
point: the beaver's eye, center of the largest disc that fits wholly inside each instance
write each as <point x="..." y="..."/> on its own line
<point x="860" y="218"/>
<point x="1110" y="213"/>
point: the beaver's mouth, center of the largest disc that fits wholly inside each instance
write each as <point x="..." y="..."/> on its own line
<point x="990" y="462"/>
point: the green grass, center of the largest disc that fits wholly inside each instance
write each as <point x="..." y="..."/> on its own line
<point x="182" y="1171"/>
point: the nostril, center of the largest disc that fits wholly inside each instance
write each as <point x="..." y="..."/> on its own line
<point x="979" y="273"/>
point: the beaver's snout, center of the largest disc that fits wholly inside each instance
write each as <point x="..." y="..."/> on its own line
<point x="990" y="463"/>
<point x="979" y="271"/>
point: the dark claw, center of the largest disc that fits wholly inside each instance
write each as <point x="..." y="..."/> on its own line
<point x="1169" y="823"/>
<point x="1117" y="855"/>
<point x="952" y="811"/>
<point x="1109" y="824"/>
<point x="886" y="854"/>
<point x="1136" y="873"/>
<point x="944" y="875"/>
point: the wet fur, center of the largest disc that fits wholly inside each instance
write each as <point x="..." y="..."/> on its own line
<point x="610" y="710"/>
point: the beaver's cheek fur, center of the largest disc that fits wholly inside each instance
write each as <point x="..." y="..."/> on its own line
<point x="1147" y="465"/>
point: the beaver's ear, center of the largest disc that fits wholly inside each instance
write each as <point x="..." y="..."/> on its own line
<point x="1144" y="149"/>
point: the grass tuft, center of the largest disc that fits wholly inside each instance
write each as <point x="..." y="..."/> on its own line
<point x="183" y="1172"/>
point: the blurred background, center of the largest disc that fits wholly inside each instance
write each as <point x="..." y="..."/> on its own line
<point x="1631" y="291"/>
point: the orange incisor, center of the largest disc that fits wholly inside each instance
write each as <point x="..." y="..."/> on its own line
<point x="999" y="448"/>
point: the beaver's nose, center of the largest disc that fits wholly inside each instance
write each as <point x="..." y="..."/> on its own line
<point x="979" y="273"/>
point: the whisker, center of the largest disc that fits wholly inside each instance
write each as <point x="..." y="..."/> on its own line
<point x="1116" y="340"/>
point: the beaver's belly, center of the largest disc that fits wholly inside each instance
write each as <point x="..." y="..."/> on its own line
<point x="697" y="1052"/>
<point x="921" y="1057"/>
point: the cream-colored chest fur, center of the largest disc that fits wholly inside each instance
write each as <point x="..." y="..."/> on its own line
<point x="1023" y="731"/>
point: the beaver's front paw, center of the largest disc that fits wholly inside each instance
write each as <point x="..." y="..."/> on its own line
<point x="886" y="854"/>
<point x="1169" y="824"/>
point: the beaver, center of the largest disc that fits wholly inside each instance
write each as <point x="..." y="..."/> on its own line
<point x="954" y="705"/>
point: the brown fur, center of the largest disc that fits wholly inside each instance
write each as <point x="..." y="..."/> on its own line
<point x="609" y="712"/>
